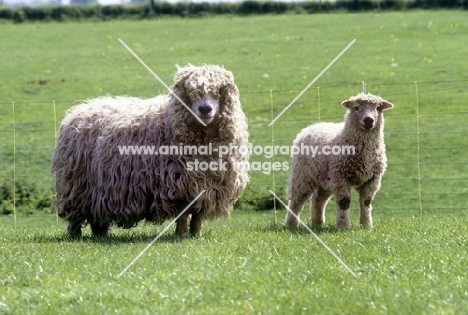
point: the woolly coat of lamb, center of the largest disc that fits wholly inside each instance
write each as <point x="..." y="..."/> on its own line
<point x="324" y="175"/>
<point x="96" y="184"/>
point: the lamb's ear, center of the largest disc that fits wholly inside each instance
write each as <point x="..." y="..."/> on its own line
<point x="386" y="105"/>
<point x="347" y="104"/>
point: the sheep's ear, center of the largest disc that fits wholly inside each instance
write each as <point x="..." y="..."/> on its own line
<point x="229" y="75"/>
<point x="182" y="73"/>
<point x="229" y="94"/>
<point x="347" y="104"/>
<point x="386" y="105"/>
<point x="229" y="89"/>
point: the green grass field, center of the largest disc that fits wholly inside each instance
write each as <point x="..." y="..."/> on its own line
<point x="412" y="262"/>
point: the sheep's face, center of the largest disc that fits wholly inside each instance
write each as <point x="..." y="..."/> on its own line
<point x="367" y="112"/>
<point x="206" y="108"/>
<point x="205" y="90"/>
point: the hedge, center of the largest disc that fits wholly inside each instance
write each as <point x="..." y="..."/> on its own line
<point x="142" y="11"/>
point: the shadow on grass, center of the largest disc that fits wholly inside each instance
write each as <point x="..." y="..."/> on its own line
<point x="279" y="227"/>
<point x="112" y="239"/>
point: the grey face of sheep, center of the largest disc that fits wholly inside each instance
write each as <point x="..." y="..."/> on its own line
<point x="206" y="108"/>
<point x="205" y="90"/>
<point x="368" y="114"/>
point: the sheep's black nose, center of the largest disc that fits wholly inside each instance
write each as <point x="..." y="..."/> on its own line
<point x="205" y="109"/>
<point x="368" y="122"/>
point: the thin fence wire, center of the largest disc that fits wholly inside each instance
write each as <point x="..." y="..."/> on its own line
<point x="55" y="144"/>
<point x="14" y="162"/>
<point x="418" y="147"/>
<point x="427" y="156"/>
<point x="273" y="158"/>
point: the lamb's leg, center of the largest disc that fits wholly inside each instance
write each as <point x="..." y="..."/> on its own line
<point x="319" y="201"/>
<point x="366" y="195"/>
<point x="195" y="224"/>
<point x="299" y="190"/>
<point x="343" y="203"/>
<point x="295" y="205"/>
<point x="100" y="229"/>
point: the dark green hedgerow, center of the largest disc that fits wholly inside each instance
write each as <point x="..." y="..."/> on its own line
<point x="26" y="198"/>
<point x="141" y="11"/>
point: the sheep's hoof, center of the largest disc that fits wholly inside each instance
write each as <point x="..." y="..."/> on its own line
<point x="183" y="235"/>
<point x="101" y="234"/>
<point x="74" y="231"/>
<point x="342" y="219"/>
<point x="74" y="235"/>
<point x="195" y="229"/>
<point x="100" y="230"/>
<point x="182" y="232"/>
<point x="318" y="223"/>
<point x="182" y="227"/>
<point x="343" y="226"/>
<point x="196" y="225"/>
<point x="292" y="221"/>
<point x="367" y="225"/>
<point x="196" y="234"/>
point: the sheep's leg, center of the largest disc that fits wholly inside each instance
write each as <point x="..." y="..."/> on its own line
<point x="74" y="229"/>
<point x="75" y="220"/>
<point x="295" y="205"/>
<point x="319" y="201"/>
<point x="365" y="219"/>
<point x="195" y="224"/>
<point x="183" y="221"/>
<point x="182" y="225"/>
<point x="100" y="229"/>
<point x="343" y="203"/>
<point x="366" y="195"/>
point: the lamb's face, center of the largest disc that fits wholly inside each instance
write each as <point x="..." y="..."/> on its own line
<point x="204" y="89"/>
<point x="367" y="113"/>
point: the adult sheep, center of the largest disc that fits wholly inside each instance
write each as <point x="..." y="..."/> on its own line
<point x="97" y="182"/>
<point x="324" y="175"/>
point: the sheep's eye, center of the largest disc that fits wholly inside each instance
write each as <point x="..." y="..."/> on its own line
<point x="379" y="109"/>
<point x="356" y="108"/>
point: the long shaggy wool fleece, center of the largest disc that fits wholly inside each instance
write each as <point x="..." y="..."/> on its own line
<point x="96" y="184"/>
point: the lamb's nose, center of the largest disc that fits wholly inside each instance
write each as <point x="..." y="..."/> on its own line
<point x="205" y="109"/>
<point x="368" y="122"/>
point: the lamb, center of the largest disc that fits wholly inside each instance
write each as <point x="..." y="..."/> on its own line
<point x="98" y="184"/>
<point x="360" y="165"/>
